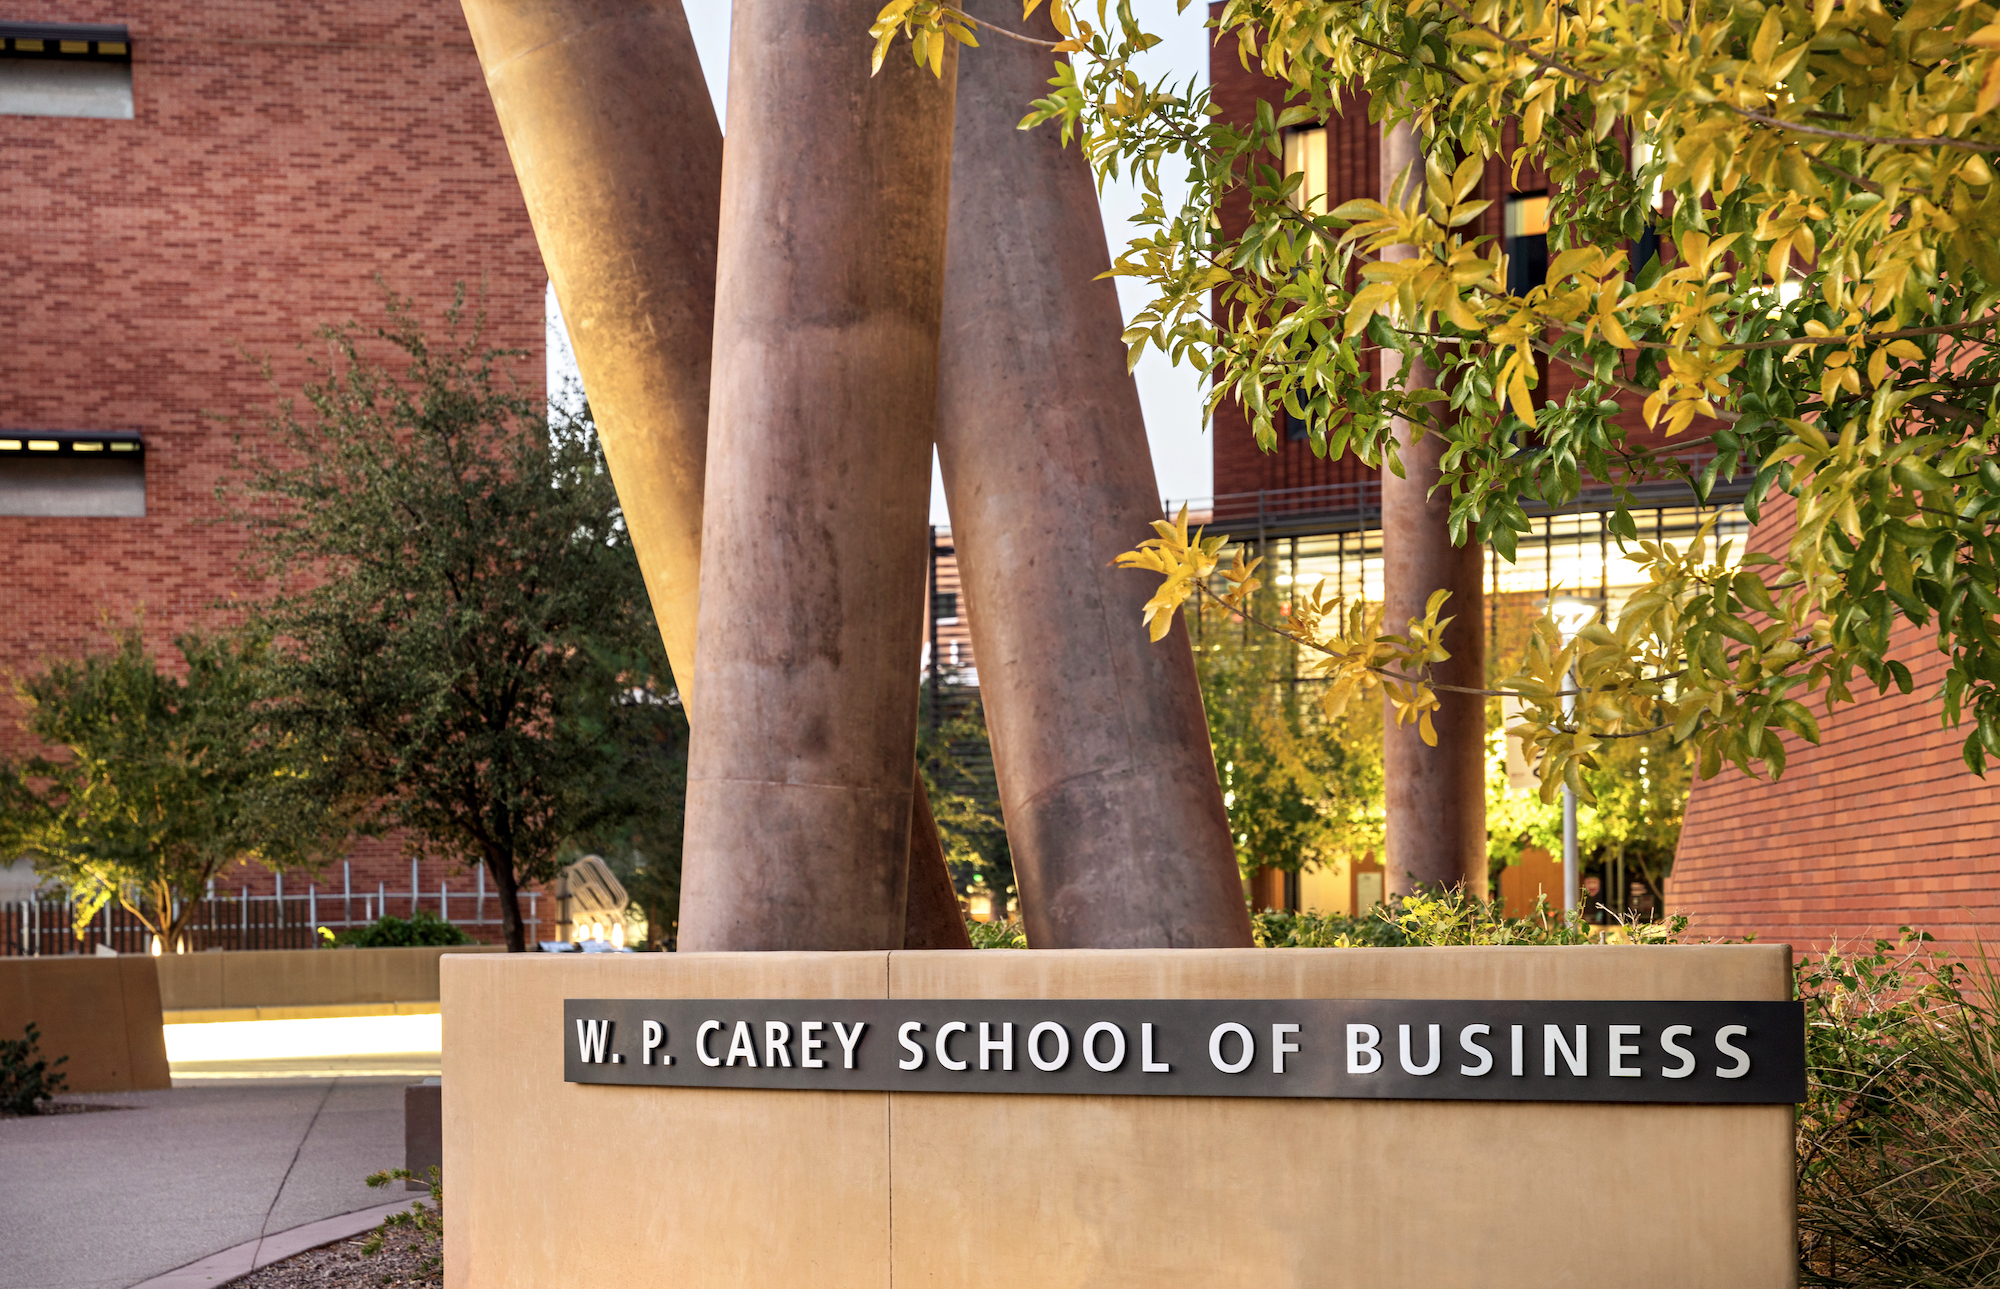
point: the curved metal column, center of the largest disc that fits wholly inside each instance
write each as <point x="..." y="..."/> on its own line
<point x="821" y="414"/>
<point x="609" y="125"/>
<point x="1107" y="779"/>
<point x="1435" y="796"/>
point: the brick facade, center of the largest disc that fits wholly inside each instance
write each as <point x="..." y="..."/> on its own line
<point x="1880" y="826"/>
<point x="1353" y="172"/>
<point x="283" y="155"/>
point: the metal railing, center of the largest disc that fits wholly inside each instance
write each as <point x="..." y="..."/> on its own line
<point x="240" y="920"/>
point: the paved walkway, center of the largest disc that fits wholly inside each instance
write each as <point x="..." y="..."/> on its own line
<point x="107" y="1199"/>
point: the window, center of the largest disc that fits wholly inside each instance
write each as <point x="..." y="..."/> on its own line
<point x="1527" y="242"/>
<point x="1305" y="153"/>
<point x="65" y="69"/>
<point x="53" y="473"/>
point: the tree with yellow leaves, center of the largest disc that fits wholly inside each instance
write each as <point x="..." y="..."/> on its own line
<point x="1817" y="176"/>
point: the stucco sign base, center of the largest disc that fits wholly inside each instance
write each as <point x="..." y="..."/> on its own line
<point x="561" y="1184"/>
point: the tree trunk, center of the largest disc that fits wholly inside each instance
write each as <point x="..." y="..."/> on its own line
<point x="510" y="903"/>
<point x="1100" y="744"/>
<point x="612" y="134"/>
<point x="1435" y="796"/>
<point x="821" y="412"/>
<point x="1267" y="889"/>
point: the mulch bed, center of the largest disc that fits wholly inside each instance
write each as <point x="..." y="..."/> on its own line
<point x="342" y="1265"/>
<point x="65" y="1107"/>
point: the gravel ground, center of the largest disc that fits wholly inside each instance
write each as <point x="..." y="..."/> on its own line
<point x="401" y="1264"/>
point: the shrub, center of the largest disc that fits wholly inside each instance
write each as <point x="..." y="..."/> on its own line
<point x="26" y="1078"/>
<point x="425" y="1224"/>
<point x="388" y="932"/>
<point x="1448" y="917"/>
<point x="996" y="935"/>
<point x="1899" y="1139"/>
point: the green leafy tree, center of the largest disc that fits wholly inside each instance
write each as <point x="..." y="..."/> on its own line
<point x="157" y="782"/>
<point x="955" y="757"/>
<point x="1817" y="181"/>
<point x="461" y="621"/>
<point x="1303" y="788"/>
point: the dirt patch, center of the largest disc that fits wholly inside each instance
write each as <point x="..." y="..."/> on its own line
<point x="404" y="1262"/>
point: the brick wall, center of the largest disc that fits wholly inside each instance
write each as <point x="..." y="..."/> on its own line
<point x="1880" y="826"/>
<point x="284" y="154"/>
<point x="1354" y="171"/>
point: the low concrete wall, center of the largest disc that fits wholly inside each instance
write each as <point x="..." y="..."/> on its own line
<point x="833" y="1189"/>
<point x="102" y="1013"/>
<point x="326" y="981"/>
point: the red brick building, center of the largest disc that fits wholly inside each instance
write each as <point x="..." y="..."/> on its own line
<point x="191" y="190"/>
<point x="1880" y="826"/>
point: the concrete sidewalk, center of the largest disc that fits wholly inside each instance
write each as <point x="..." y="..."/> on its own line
<point x="107" y="1199"/>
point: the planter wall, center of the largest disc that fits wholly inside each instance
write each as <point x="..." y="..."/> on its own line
<point x="102" y="1013"/>
<point x="574" y="1184"/>
<point x="286" y="984"/>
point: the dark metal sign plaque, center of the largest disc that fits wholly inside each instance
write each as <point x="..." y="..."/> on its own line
<point x="1707" y="1053"/>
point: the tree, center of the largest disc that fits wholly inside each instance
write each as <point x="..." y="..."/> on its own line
<point x="162" y="781"/>
<point x="1631" y="830"/>
<point x="1303" y="789"/>
<point x="1817" y="182"/>
<point x="461" y="620"/>
<point x="955" y="758"/>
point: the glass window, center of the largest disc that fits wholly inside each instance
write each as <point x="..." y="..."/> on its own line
<point x="65" y="69"/>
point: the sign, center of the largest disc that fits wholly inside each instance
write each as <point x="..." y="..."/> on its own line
<point x="1708" y="1053"/>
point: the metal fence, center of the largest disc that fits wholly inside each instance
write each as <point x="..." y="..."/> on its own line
<point x="240" y="920"/>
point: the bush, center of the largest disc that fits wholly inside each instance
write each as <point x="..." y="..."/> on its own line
<point x="1899" y="1139"/>
<point x="1449" y="917"/>
<point x="388" y="932"/>
<point x="996" y="935"/>
<point x="26" y="1079"/>
<point x="425" y="1225"/>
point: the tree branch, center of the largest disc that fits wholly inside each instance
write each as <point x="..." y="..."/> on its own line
<point x="1850" y="136"/>
<point x="965" y="17"/>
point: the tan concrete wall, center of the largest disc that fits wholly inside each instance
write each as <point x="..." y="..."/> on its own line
<point x="102" y="1013"/>
<point x="302" y="977"/>
<point x="830" y="1189"/>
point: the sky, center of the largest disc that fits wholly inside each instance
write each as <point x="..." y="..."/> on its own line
<point x="1169" y="395"/>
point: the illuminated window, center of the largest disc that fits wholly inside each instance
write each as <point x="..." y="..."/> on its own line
<point x="1527" y="242"/>
<point x="52" y="475"/>
<point x="1305" y="153"/>
<point x="65" y="69"/>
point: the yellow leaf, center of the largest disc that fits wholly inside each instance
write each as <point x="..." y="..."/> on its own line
<point x="1517" y="393"/>
<point x="1989" y="90"/>
<point x="1768" y="35"/>
<point x="1467" y="177"/>
<point x="1570" y="261"/>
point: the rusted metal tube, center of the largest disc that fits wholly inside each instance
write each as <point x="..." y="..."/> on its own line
<point x="821" y="414"/>
<point x="608" y="122"/>
<point x="613" y="136"/>
<point x="1114" y="815"/>
<point x="1435" y="825"/>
